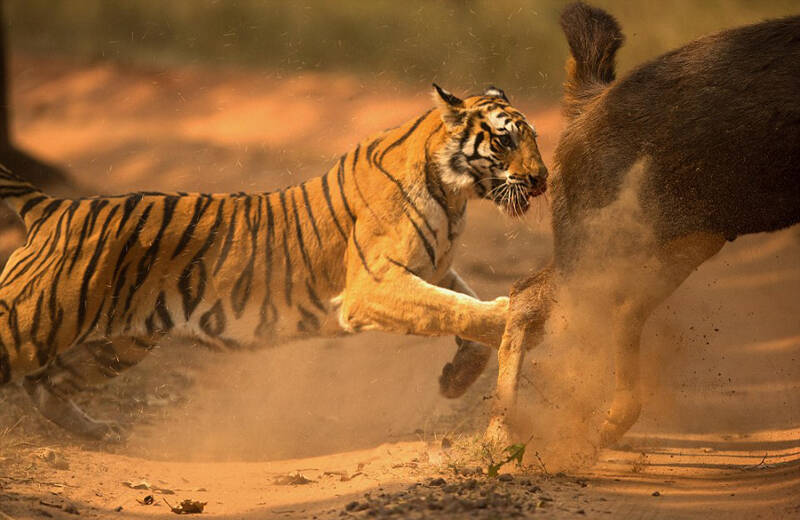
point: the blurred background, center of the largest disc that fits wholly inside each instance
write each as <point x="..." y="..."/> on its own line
<point x="208" y="95"/>
<point x="463" y="43"/>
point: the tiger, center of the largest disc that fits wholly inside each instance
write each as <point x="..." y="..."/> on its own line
<point x="367" y="246"/>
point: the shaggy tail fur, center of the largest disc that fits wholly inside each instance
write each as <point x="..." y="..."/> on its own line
<point x="21" y="196"/>
<point x="594" y="36"/>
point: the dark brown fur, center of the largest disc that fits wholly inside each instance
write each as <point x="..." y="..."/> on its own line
<point x="716" y="126"/>
<point x="719" y="120"/>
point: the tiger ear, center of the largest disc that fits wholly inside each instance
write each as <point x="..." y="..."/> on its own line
<point x="451" y="107"/>
<point x="496" y="92"/>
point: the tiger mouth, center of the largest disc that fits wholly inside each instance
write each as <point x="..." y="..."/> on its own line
<point x="537" y="190"/>
<point x="514" y="198"/>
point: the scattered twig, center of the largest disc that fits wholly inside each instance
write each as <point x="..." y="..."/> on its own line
<point x="541" y="464"/>
<point x="11" y="428"/>
<point x="760" y="465"/>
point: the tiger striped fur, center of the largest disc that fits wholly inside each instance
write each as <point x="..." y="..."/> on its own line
<point x="366" y="246"/>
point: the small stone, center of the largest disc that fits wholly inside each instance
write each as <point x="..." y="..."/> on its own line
<point x="54" y="458"/>
<point x="351" y="506"/>
<point x="505" y="477"/>
<point x="435" y="506"/>
<point x="437" y="482"/>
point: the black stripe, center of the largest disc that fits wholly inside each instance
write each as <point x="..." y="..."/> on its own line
<point x="119" y="283"/>
<point x="47" y="212"/>
<point x="5" y="365"/>
<point x="120" y="277"/>
<point x="311" y="213"/>
<point x="359" y="250"/>
<point x="243" y="284"/>
<point x="132" y="238"/>
<point x="405" y="136"/>
<point x="425" y="243"/>
<point x="226" y="246"/>
<point x="27" y="262"/>
<point x="212" y="322"/>
<point x="364" y="200"/>
<point x="16" y="191"/>
<point x="200" y="207"/>
<point x="309" y="322"/>
<point x="91" y="268"/>
<point x="475" y="144"/>
<point x="326" y="191"/>
<point x="371" y="147"/>
<point x="407" y="198"/>
<point x="300" y="241"/>
<point x="192" y="293"/>
<point x="42" y="354"/>
<point x="30" y="204"/>
<point x="402" y="266"/>
<point x="149" y="258"/>
<point x="312" y="295"/>
<point x="131" y="202"/>
<point x="162" y="313"/>
<point x="13" y="324"/>
<point x="340" y="180"/>
<point x="95" y="207"/>
<point x="265" y="319"/>
<point x="287" y="257"/>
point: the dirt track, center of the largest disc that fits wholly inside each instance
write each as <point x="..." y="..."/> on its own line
<point x="719" y="437"/>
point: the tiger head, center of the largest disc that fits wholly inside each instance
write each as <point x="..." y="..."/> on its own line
<point x="490" y="150"/>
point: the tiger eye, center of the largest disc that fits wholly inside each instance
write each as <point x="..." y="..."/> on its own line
<point x="506" y="141"/>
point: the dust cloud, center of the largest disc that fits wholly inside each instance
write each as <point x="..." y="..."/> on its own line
<point x="300" y="399"/>
<point x="568" y="382"/>
<point x="718" y="356"/>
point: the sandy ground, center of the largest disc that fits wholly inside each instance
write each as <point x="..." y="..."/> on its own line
<point x="360" y="417"/>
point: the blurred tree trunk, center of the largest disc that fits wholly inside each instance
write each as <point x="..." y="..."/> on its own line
<point x="47" y="176"/>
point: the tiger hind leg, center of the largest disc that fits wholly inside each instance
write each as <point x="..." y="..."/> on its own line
<point x="82" y="365"/>
<point x="470" y="358"/>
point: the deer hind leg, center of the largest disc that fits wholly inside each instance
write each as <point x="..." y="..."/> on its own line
<point x="676" y="261"/>
<point x="82" y="365"/>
